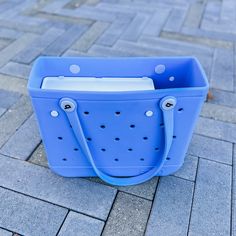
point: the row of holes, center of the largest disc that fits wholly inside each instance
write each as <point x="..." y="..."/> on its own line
<point x="116" y="159"/>
<point x="129" y="149"/>
<point x="116" y="139"/>
<point x="117" y="113"/>
<point x="104" y="150"/>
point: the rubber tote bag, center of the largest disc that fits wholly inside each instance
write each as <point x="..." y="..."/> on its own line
<point x="124" y="137"/>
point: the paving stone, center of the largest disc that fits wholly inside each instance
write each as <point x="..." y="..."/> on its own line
<point x="4" y="43"/>
<point x="222" y="70"/>
<point x="29" y="216"/>
<point x="16" y="69"/>
<point x="234" y="195"/>
<point x="171" y="208"/>
<point x="7" y="98"/>
<point x="64" y="41"/>
<point x="13" y="118"/>
<point x="78" y="224"/>
<point x="189" y="168"/>
<point x="212" y="200"/>
<point x="216" y="129"/>
<point x="182" y="48"/>
<point x="145" y="190"/>
<point x="13" y="84"/>
<point x="223" y="98"/>
<point x="175" y="20"/>
<point x="135" y="49"/>
<point x="156" y="23"/>
<point x="15" y="47"/>
<point x="76" y="194"/>
<point x="212" y="11"/>
<point x="208" y="34"/>
<point x="212" y="149"/>
<point x="2" y="110"/>
<point x="91" y="13"/>
<point x="53" y="7"/>
<point x="128" y="216"/>
<point x="112" y="33"/>
<point x="27" y="135"/>
<point x="39" y="156"/>
<point x="228" y="8"/>
<point x="28" y="54"/>
<point x="194" y="15"/>
<point x="124" y="7"/>
<point x="197" y="40"/>
<point x="74" y="53"/>
<point x="218" y="112"/>
<point x="135" y="27"/>
<point x="91" y="35"/>
<point x="5" y="232"/>
<point x="98" y="50"/>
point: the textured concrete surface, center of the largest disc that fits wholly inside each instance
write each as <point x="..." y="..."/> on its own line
<point x="199" y="199"/>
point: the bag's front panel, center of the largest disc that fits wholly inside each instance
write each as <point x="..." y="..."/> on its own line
<point x="125" y="137"/>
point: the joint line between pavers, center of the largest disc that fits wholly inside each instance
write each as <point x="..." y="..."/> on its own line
<point x="112" y="205"/>
<point x="152" y="205"/>
<point x="195" y="182"/>
<point x="232" y="193"/>
<point x="55" y="204"/>
<point x="63" y="222"/>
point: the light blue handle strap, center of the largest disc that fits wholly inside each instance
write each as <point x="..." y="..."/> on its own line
<point x="167" y="104"/>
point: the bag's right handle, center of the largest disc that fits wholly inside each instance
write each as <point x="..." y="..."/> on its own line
<point x="167" y="105"/>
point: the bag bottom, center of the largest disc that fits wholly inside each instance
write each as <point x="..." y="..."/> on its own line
<point x="88" y="171"/>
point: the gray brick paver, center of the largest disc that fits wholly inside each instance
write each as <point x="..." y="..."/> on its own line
<point x="16" y="69"/>
<point x="90" y="36"/>
<point x="212" y="200"/>
<point x="29" y="216"/>
<point x="78" y="224"/>
<point x="212" y="149"/>
<point x="233" y="226"/>
<point x="128" y="216"/>
<point x="222" y="70"/>
<point x="188" y="169"/>
<point x="15" y="47"/>
<point x="216" y="129"/>
<point x="171" y="208"/>
<point x="13" y="118"/>
<point x="28" y="135"/>
<point x="64" y="41"/>
<point x="5" y="232"/>
<point x="74" y="193"/>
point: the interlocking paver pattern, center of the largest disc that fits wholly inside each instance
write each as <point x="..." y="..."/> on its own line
<point x="199" y="199"/>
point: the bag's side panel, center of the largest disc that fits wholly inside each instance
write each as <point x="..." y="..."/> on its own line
<point x="123" y="139"/>
<point x="186" y="113"/>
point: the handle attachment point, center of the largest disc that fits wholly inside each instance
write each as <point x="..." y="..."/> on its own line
<point x="67" y="104"/>
<point x="168" y="103"/>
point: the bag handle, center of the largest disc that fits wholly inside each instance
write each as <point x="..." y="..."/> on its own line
<point x="167" y="105"/>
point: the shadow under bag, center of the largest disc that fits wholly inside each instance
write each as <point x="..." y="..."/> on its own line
<point x="124" y="137"/>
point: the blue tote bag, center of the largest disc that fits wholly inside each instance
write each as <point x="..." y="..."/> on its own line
<point x="124" y="137"/>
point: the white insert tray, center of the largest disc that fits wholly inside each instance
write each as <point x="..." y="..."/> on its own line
<point x="97" y="84"/>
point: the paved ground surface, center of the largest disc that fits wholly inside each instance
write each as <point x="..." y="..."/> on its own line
<point x="197" y="200"/>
